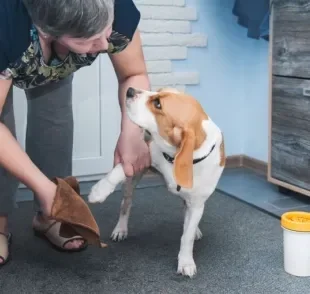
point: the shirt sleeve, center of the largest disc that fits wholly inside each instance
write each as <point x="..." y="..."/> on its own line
<point x="126" y="20"/>
<point x="5" y="74"/>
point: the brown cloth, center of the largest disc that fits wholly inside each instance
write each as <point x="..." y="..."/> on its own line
<point x="70" y="209"/>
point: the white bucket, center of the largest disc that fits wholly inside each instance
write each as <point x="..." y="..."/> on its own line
<point x="296" y="242"/>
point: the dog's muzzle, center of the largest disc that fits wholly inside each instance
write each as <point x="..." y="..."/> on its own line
<point x="131" y="93"/>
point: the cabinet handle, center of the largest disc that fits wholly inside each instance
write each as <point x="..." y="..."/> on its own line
<point x="306" y="91"/>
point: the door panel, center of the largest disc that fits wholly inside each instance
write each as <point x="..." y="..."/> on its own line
<point x="96" y="118"/>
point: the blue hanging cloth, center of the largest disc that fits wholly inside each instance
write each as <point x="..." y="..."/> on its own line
<point x="264" y="27"/>
<point x="253" y="15"/>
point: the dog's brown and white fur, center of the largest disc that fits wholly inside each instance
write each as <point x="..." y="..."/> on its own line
<point x="180" y="128"/>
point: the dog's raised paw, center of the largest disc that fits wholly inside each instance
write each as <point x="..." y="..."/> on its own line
<point x="119" y="234"/>
<point x="101" y="191"/>
<point x="187" y="267"/>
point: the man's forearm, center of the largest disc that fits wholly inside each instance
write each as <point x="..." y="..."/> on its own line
<point x="138" y="81"/>
<point x="17" y="162"/>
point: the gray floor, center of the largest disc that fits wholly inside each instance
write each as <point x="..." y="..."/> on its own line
<point x="254" y="189"/>
<point x="241" y="252"/>
<point x="239" y="183"/>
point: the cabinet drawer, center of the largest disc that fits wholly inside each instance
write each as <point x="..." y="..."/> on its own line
<point x="291" y="38"/>
<point x="290" y="131"/>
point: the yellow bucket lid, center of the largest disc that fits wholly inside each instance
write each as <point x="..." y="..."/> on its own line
<point x="296" y="221"/>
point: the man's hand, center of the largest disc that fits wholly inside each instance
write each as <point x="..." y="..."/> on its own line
<point x="131" y="150"/>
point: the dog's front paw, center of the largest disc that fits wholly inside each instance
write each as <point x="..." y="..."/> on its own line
<point x="101" y="191"/>
<point x="187" y="266"/>
<point x="120" y="233"/>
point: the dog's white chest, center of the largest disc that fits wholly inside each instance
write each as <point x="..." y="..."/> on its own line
<point x="172" y="186"/>
<point x="206" y="175"/>
<point x="165" y="167"/>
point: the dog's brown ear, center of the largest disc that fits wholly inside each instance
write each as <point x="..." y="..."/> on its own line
<point x="169" y="90"/>
<point x="183" y="163"/>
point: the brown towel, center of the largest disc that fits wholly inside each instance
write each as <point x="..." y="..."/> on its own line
<point x="73" y="183"/>
<point x="71" y="210"/>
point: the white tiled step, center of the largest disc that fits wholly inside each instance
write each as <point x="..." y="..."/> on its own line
<point x="167" y="39"/>
<point x="164" y="26"/>
<point x="164" y="53"/>
<point x="175" y="78"/>
<point x="160" y="2"/>
<point x="159" y="66"/>
<point x="168" y="12"/>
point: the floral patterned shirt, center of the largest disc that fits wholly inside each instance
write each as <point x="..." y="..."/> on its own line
<point x="25" y="64"/>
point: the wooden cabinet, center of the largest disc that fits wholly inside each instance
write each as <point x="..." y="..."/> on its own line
<point x="291" y="38"/>
<point x="289" y="131"/>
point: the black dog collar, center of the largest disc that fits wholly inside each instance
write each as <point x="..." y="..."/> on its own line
<point x="195" y="161"/>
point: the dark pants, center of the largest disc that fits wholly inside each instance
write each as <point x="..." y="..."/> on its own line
<point x="49" y="135"/>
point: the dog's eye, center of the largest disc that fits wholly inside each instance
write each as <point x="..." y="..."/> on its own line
<point x="156" y="103"/>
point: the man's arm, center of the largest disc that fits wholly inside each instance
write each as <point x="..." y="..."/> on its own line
<point x="16" y="161"/>
<point x="130" y="69"/>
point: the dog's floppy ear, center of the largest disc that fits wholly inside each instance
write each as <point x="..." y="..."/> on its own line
<point x="183" y="163"/>
<point x="169" y="90"/>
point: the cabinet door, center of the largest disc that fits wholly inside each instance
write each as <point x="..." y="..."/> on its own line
<point x="96" y="118"/>
<point x="290" y="131"/>
<point x="291" y="38"/>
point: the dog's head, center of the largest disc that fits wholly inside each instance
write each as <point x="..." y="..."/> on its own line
<point x="175" y="121"/>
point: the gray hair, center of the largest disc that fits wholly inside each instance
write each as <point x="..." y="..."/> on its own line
<point x="76" y="18"/>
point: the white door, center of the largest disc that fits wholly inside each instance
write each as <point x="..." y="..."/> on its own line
<point x="96" y="118"/>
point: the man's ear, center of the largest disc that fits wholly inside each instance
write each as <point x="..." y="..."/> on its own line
<point x="183" y="162"/>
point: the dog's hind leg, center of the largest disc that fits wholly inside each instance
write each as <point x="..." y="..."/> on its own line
<point x="120" y="231"/>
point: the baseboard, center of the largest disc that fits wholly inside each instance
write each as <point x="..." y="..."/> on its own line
<point x="234" y="161"/>
<point x="237" y="161"/>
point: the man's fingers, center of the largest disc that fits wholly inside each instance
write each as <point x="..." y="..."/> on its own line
<point x="128" y="169"/>
<point x="149" y="161"/>
<point x="136" y="167"/>
<point x="116" y="160"/>
<point x="140" y="165"/>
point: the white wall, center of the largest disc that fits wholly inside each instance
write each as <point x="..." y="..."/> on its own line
<point x="167" y="35"/>
<point x="232" y="69"/>
<point x="256" y="100"/>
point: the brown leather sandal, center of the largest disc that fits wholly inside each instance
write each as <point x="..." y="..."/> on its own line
<point x="50" y="233"/>
<point x="5" y="248"/>
<point x="72" y="212"/>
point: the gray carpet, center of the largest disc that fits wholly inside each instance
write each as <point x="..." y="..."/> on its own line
<point x="241" y="252"/>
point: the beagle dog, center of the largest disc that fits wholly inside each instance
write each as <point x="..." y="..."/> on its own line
<point x="186" y="147"/>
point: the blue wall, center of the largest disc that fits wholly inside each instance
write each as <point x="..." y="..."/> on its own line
<point x="233" y="78"/>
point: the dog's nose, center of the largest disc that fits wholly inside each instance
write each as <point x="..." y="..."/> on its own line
<point x="131" y="93"/>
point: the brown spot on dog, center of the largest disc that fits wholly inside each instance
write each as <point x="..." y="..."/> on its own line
<point x="179" y="118"/>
